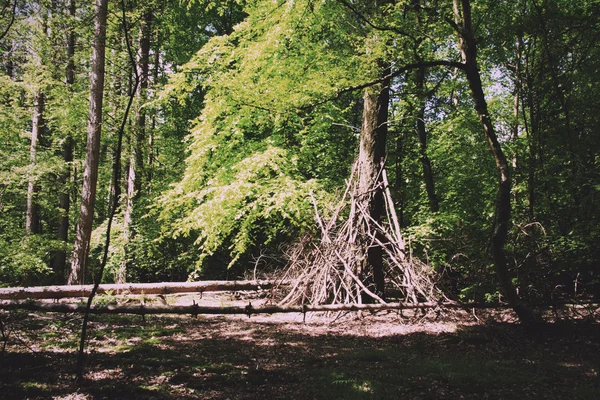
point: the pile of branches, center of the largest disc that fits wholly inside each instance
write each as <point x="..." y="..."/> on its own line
<point x="333" y="270"/>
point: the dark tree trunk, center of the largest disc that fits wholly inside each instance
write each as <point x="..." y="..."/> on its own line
<point x="422" y="132"/>
<point x="90" y="173"/>
<point x="468" y="48"/>
<point x="532" y="134"/>
<point x="372" y="153"/>
<point x="32" y="218"/>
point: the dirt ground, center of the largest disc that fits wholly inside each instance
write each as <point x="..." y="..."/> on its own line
<point x="387" y="355"/>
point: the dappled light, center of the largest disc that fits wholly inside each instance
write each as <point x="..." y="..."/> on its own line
<point x="353" y="199"/>
<point x="370" y="356"/>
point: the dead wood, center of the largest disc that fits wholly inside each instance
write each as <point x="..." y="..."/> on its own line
<point x="332" y="269"/>
<point x="196" y="309"/>
<point x="59" y="292"/>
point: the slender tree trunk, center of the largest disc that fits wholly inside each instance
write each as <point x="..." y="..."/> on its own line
<point x="422" y="132"/>
<point x="150" y="154"/>
<point x="468" y="48"/>
<point x="62" y="234"/>
<point x="532" y="137"/>
<point x="515" y="135"/>
<point x="92" y="155"/>
<point x="141" y="95"/>
<point x="32" y="219"/>
<point x="516" y="109"/>
<point x="136" y="161"/>
<point x="399" y="181"/>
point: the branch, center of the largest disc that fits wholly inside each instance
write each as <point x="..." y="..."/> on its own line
<point x="129" y="51"/>
<point x="12" y="18"/>
<point x="397" y="72"/>
<point x="372" y="25"/>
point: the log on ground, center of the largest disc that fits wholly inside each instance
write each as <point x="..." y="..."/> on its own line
<point x="196" y="309"/>
<point x="59" y="292"/>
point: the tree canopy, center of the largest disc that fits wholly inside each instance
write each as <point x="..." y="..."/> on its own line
<point x="247" y="116"/>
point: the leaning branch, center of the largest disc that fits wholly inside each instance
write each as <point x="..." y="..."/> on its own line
<point x="12" y="19"/>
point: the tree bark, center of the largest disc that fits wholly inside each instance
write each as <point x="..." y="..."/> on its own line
<point x="422" y="133"/>
<point x="372" y="151"/>
<point x="90" y="173"/>
<point x="468" y="48"/>
<point x="62" y="234"/>
<point x="155" y="74"/>
<point x="32" y="218"/>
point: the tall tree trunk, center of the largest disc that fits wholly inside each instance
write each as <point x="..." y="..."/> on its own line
<point x="155" y="72"/>
<point x="92" y="155"/>
<point x="468" y="48"/>
<point x="136" y="161"/>
<point x="399" y="181"/>
<point x="32" y="218"/>
<point x="371" y="155"/>
<point x="422" y="132"/>
<point x="515" y="135"/>
<point x="62" y="234"/>
<point x="532" y="129"/>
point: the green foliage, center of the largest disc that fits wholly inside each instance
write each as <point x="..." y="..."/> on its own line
<point x="248" y="113"/>
<point x="254" y="202"/>
<point x="255" y="153"/>
<point x="25" y="262"/>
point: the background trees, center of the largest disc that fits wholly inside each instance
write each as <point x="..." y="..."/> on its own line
<point x="242" y="112"/>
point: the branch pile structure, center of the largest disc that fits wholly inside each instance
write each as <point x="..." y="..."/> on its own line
<point x="332" y="269"/>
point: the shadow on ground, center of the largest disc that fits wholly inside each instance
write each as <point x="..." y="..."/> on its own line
<point x="218" y="358"/>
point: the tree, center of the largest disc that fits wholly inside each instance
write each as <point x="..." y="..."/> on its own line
<point x="32" y="223"/>
<point x="136" y="159"/>
<point x="468" y="49"/>
<point x="421" y="129"/>
<point x="32" y="219"/>
<point x="90" y="174"/>
<point x="62" y="233"/>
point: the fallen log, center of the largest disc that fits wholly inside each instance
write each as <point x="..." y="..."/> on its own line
<point x="60" y="292"/>
<point x="196" y="309"/>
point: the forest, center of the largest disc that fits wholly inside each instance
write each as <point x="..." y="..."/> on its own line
<point x="221" y="131"/>
<point x="414" y="153"/>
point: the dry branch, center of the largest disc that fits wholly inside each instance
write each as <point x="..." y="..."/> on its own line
<point x="334" y="270"/>
<point x="59" y="292"/>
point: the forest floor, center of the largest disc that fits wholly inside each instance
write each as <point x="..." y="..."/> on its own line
<point x="368" y="356"/>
